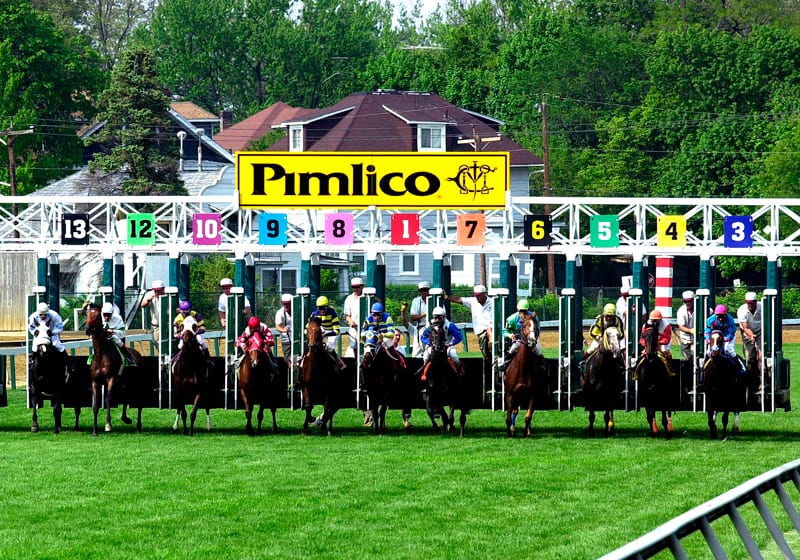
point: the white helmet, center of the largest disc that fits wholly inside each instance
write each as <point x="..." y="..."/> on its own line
<point x="438" y="311"/>
<point x="42" y="308"/>
<point x="108" y="309"/>
<point x="226" y="282"/>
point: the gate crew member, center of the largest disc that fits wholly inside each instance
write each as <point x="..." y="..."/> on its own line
<point x="749" y="316"/>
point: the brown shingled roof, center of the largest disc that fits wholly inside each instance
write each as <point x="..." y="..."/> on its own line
<point x="191" y="111"/>
<point x="238" y="136"/>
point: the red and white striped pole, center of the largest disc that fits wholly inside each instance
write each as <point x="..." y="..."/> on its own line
<point x="664" y="286"/>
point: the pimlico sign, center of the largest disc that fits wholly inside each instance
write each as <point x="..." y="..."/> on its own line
<point x="356" y="180"/>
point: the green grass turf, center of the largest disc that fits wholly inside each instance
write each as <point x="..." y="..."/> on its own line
<point x="415" y="495"/>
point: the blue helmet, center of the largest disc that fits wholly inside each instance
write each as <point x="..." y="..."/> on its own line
<point x="377" y="308"/>
<point x="185" y="305"/>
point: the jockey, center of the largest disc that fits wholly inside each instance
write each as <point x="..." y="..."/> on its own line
<point x="513" y="331"/>
<point x="379" y="327"/>
<point x="609" y="318"/>
<point x="454" y="336"/>
<point x="256" y="327"/>
<point x="330" y="326"/>
<point x="114" y="326"/>
<point x="664" y="333"/>
<point x="185" y="310"/>
<point x="45" y="315"/>
<point x="723" y="322"/>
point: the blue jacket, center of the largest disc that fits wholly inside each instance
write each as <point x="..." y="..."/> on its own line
<point x="453" y="334"/>
<point x="727" y="327"/>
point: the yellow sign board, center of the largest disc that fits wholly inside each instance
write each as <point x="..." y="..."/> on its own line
<point x="390" y="180"/>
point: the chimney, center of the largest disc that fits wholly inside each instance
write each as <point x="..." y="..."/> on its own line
<point x="225" y="120"/>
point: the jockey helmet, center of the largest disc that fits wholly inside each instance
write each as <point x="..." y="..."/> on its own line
<point x="523" y="305"/>
<point x="655" y="315"/>
<point x="610" y="309"/>
<point x="688" y="295"/>
<point x="253" y="322"/>
<point x="42" y="308"/>
<point x="377" y="308"/>
<point x="438" y="311"/>
<point x="185" y="305"/>
<point x="750" y="296"/>
<point x="108" y="309"/>
<point x="226" y="282"/>
<point x="720" y="310"/>
<point x="322" y="301"/>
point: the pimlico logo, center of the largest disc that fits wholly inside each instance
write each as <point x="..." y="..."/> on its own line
<point x="355" y="180"/>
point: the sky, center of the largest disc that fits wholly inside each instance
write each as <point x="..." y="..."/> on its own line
<point x="427" y="5"/>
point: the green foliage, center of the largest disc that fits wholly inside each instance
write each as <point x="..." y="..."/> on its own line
<point x="206" y="272"/>
<point x="328" y="280"/>
<point x="136" y="131"/>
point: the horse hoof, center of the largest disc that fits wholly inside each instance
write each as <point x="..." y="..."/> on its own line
<point x="669" y="425"/>
<point x="108" y="427"/>
<point x="35" y="428"/>
<point x="654" y="427"/>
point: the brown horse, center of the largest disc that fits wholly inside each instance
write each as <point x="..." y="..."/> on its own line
<point x="724" y="385"/>
<point x="522" y="375"/>
<point x="385" y="376"/>
<point x="106" y="368"/>
<point x="602" y="380"/>
<point x="653" y="376"/>
<point x="321" y="380"/>
<point x="444" y="384"/>
<point x="257" y="372"/>
<point x="189" y="382"/>
<point x="46" y="377"/>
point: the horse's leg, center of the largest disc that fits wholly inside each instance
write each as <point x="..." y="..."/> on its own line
<point x="528" y="418"/>
<point x="431" y="413"/>
<point x="110" y="385"/>
<point x="193" y="413"/>
<point x="57" y="416"/>
<point x="77" y="418"/>
<point x="309" y="418"/>
<point x="208" y="420"/>
<point x="725" y="416"/>
<point x="652" y="426"/>
<point x="248" y="413"/>
<point x="735" y="428"/>
<point x="712" y="424"/>
<point x="670" y="426"/>
<point x="139" y="419"/>
<point x="384" y="408"/>
<point x="451" y="419"/>
<point x="592" y="416"/>
<point x="95" y="406"/>
<point x="608" y="417"/>
<point x="35" y="407"/>
<point x="666" y="423"/>
<point x="177" y="418"/>
<point x="260" y="417"/>
<point x="511" y="420"/>
<point x="462" y="420"/>
<point x="124" y="417"/>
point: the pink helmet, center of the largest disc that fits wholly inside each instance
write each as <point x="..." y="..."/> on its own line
<point x="720" y="310"/>
<point x="253" y="322"/>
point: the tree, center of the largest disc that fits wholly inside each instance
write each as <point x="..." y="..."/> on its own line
<point x="47" y="81"/>
<point x="136" y="134"/>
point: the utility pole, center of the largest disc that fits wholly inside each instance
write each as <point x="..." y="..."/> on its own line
<point x="10" y="135"/>
<point x="551" y="272"/>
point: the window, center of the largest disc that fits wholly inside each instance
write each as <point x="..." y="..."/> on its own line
<point x="457" y="263"/>
<point x="359" y="261"/>
<point x="430" y="138"/>
<point x="409" y="264"/>
<point x="295" y="138"/>
<point x="288" y="281"/>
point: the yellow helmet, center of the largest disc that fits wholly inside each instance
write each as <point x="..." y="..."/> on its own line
<point x="610" y="309"/>
<point x="523" y="305"/>
<point x="322" y="301"/>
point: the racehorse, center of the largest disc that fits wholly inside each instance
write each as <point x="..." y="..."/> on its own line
<point x="521" y="378"/>
<point x="444" y="384"/>
<point x="322" y="382"/>
<point x="105" y="369"/>
<point x="602" y="380"/>
<point x="47" y="373"/>
<point x="653" y="375"/>
<point x="724" y="387"/>
<point x="189" y="378"/>
<point x="257" y="372"/>
<point x="383" y="377"/>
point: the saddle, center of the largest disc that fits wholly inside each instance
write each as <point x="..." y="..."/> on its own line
<point x="660" y="356"/>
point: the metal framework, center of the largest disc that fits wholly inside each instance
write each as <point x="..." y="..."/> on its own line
<point x="776" y="226"/>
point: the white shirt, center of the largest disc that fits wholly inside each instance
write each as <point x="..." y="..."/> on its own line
<point x="222" y="305"/>
<point x="351" y="310"/>
<point x="753" y="320"/>
<point x="283" y="319"/>
<point x="418" y="307"/>
<point x="685" y="318"/>
<point x="482" y="315"/>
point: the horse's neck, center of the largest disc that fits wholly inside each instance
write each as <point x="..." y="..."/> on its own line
<point x="97" y="344"/>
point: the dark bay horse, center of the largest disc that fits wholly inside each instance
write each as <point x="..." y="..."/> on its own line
<point x="724" y="386"/>
<point x="257" y="376"/>
<point x="189" y="381"/>
<point x="653" y="376"/>
<point x="444" y="385"/>
<point x="105" y="369"/>
<point x="602" y="380"/>
<point x="523" y="374"/>
<point x="322" y="382"/>
<point x="47" y="377"/>
<point x="385" y="376"/>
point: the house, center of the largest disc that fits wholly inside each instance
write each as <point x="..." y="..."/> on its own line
<point x="394" y="121"/>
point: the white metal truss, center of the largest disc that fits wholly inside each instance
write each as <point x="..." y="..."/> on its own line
<point x="37" y="227"/>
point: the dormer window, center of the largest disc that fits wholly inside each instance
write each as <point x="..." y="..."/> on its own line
<point x="430" y="138"/>
<point x="295" y="138"/>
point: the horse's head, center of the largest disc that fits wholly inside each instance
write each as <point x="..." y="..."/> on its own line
<point x="529" y="334"/>
<point x="438" y="338"/>
<point x="188" y="330"/>
<point x="41" y="338"/>
<point x="314" y="333"/>
<point x="611" y="340"/>
<point x="715" y="343"/>
<point x="253" y="348"/>
<point x="94" y="319"/>
<point x="650" y="338"/>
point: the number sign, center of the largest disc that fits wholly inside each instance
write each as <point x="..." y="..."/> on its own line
<point x="604" y="231"/>
<point x="671" y="231"/>
<point x="141" y="229"/>
<point x="339" y="229"/>
<point x="538" y="230"/>
<point x="738" y="232"/>
<point x="405" y="229"/>
<point x="207" y="229"/>
<point x="75" y="229"/>
<point x="471" y="229"/>
<point x="272" y="229"/>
